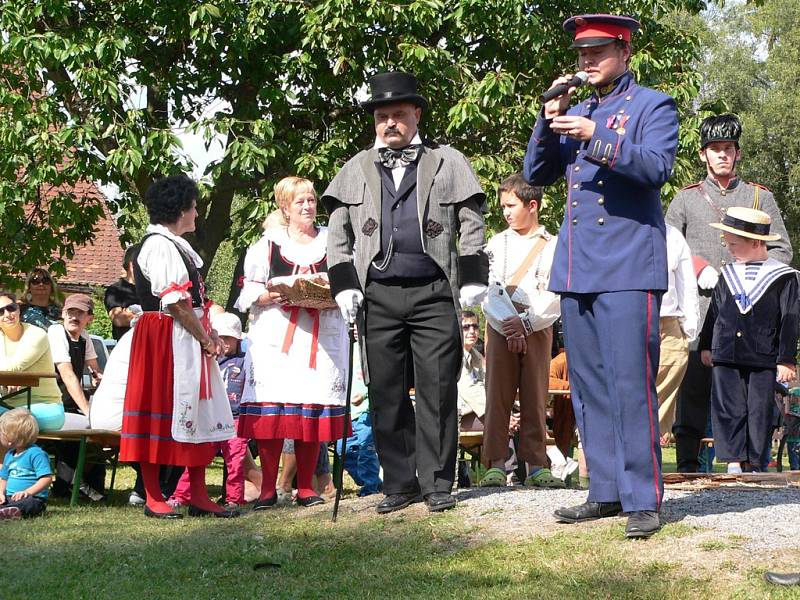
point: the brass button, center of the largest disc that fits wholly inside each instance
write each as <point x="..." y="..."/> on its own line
<point x="574" y="221"/>
<point x="578" y="151"/>
<point x="574" y="186"/>
<point x="622" y="111"/>
<point x="600" y="221"/>
<point x="722" y="235"/>
<point x="574" y="203"/>
<point x="603" y="160"/>
<point x="600" y="183"/>
<point x="723" y="192"/>
<point x="601" y="201"/>
<point x="577" y="168"/>
<point x="723" y="244"/>
<point x="627" y="97"/>
<point x="722" y="263"/>
<point x="738" y="334"/>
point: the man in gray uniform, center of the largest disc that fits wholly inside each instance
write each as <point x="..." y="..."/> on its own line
<point x="406" y="239"/>
<point x="692" y="209"/>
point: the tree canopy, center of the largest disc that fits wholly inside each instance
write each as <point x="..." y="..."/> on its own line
<point x="100" y="90"/>
<point x="750" y="69"/>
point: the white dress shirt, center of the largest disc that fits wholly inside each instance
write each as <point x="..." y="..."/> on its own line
<point x="680" y="300"/>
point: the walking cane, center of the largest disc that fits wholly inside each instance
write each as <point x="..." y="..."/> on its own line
<point x="351" y="335"/>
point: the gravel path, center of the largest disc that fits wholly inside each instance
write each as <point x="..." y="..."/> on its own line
<point x="766" y="519"/>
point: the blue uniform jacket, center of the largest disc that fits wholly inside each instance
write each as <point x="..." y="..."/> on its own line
<point x="613" y="236"/>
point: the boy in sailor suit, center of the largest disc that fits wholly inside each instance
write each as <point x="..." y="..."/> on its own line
<point x="749" y="338"/>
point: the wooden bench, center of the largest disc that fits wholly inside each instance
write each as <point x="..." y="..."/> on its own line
<point x="100" y="437"/>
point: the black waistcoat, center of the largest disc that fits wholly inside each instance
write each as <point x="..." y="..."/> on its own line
<point x="144" y="290"/>
<point x="400" y="224"/>
<point x="279" y="266"/>
<point x="77" y="358"/>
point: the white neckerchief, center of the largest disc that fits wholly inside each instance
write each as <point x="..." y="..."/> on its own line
<point x="397" y="172"/>
<point x="747" y="292"/>
<point x="184" y="245"/>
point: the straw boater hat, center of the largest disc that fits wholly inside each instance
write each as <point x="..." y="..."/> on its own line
<point x="747" y="222"/>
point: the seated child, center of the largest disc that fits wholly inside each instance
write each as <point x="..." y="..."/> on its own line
<point x="749" y="338"/>
<point x="25" y="475"/>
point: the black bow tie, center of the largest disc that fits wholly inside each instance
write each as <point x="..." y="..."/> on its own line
<point x="392" y="159"/>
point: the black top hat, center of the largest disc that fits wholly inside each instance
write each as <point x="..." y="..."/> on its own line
<point x="722" y="128"/>
<point x="394" y="87"/>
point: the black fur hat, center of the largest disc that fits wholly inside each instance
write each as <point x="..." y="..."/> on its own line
<point x="722" y="128"/>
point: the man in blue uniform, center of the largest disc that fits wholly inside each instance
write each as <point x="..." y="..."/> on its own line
<point x="616" y="150"/>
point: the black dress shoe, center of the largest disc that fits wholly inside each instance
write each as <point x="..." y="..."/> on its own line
<point x="266" y="503"/>
<point x="219" y="514"/>
<point x="439" y="501"/>
<point x="642" y="524"/>
<point x="155" y="515"/>
<point x="393" y="502"/>
<point x="310" y="501"/>
<point x="588" y="511"/>
<point x="782" y="578"/>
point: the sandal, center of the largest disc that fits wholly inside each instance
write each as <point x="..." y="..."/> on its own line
<point x="494" y="477"/>
<point x="543" y="478"/>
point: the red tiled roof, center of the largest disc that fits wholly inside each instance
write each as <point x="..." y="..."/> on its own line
<point x="98" y="262"/>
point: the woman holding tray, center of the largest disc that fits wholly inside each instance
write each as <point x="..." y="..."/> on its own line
<point x="296" y="361"/>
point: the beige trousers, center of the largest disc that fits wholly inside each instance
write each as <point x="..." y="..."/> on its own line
<point x="506" y="374"/>
<point x="671" y="369"/>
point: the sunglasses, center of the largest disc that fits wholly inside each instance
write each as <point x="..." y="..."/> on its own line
<point x="40" y="280"/>
<point x="9" y="308"/>
<point x="469" y="326"/>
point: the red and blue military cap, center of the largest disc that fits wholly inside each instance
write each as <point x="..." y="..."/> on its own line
<point x="598" y="30"/>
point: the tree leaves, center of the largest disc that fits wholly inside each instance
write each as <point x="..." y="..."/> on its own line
<point x="100" y="91"/>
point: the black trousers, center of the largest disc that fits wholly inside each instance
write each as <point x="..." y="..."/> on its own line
<point x="742" y="412"/>
<point x="413" y="323"/>
<point x="30" y="506"/>
<point x="691" y="415"/>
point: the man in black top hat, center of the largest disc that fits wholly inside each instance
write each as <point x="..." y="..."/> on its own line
<point x="692" y="209"/>
<point x="406" y="240"/>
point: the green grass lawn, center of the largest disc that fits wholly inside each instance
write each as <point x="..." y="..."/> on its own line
<point x="112" y="551"/>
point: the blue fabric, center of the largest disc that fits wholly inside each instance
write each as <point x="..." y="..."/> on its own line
<point x="361" y="460"/>
<point x="613" y="236"/>
<point x="49" y="415"/>
<point x="612" y="342"/>
<point x="233" y="375"/>
<point x="21" y="471"/>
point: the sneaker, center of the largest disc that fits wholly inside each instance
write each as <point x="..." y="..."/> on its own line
<point x="135" y="499"/>
<point x="10" y="512"/>
<point x="91" y="493"/>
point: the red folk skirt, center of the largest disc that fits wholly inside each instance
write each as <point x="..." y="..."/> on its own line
<point x="305" y="422"/>
<point x="147" y="413"/>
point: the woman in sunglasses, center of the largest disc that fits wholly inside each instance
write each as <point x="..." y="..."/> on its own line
<point x="41" y="307"/>
<point x="25" y="348"/>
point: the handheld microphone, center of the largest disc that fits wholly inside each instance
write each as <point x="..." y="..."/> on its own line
<point x="577" y="80"/>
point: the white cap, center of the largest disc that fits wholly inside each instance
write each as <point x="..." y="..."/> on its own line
<point x="227" y="324"/>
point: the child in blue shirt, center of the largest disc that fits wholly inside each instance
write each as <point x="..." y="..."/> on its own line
<point x="25" y="475"/>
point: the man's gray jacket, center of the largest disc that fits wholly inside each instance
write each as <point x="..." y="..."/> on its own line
<point x="450" y="203"/>
<point x="691" y="212"/>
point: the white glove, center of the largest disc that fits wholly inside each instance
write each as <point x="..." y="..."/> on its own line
<point x="708" y="277"/>
<point x="349" y="302"/>
<point x="471" y="294"/>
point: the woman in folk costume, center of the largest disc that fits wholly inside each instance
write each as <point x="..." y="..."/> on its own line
<point x="296" y="362"/>
<point x="175" y="401"/>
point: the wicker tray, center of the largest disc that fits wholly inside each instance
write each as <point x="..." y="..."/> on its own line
<point x="304" y="291"/>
